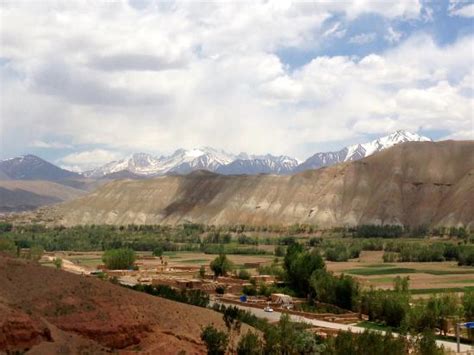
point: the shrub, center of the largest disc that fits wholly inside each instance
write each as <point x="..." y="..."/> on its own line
<point x="249" y="290"/>
<point x="220" y="290"/>
<point x="250" y="344"/>
<point x="215" y="340"/>
<point x="7" y="246"/>
<point x="279" y="251"/>
<point x="58" y="263"/>
<point x="244" y="274"/>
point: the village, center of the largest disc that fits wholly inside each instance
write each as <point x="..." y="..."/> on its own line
<point x="184" y="276"/>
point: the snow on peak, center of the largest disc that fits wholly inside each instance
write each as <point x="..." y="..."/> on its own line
<point x="183" y="161"/>
<point x="359" y="151"/>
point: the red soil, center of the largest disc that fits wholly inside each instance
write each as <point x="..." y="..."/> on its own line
<point x="43" y="305"/>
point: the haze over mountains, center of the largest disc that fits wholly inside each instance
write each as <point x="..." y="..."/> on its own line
<point x="416" y="183"/>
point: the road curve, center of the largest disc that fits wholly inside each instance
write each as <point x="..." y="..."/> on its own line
<point x="275" y="316"/>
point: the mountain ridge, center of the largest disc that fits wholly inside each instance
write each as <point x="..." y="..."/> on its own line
<point x="414" y="183"/>
<point x="184" y="161"/>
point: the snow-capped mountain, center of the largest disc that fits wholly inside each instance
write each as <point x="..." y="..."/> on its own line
<point x="180" y="162"/>
<point x="259" y="164"/>
<point x="359" y="151"/>
<point x="184" y="161"/>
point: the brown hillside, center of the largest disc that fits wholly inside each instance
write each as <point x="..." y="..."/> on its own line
<point x="44" y="309"/>
<point x="21" y="195"/>
<point x="412" y="183"/>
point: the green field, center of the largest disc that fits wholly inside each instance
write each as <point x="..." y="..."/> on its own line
<point x="447" y="272"/>
<point x="423" y="291"/>
<point x="382" y="279"/>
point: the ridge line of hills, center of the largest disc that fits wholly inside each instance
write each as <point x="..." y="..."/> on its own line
<point x="142" y="165"/>
<point x="415" y="183"/>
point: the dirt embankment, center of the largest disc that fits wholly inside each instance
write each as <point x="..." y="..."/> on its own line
<point x="410" y="184"/>
<point x="43" y="310"/>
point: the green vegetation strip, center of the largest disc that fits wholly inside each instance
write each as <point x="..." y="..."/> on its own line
<point x="382" y="279"/>
<point x="421" y="291"/>
<point x="464" y="281"/>
<point x="381" y="271"/>
<point x="374" y="326"/>
<point x="447" y="272"/>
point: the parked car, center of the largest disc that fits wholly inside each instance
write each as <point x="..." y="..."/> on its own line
<point x="268" y="309"/>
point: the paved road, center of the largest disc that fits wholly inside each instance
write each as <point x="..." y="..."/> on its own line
<point x="275" y="316"/>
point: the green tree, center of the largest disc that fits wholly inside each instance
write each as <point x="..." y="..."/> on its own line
<point x="119" y="259"/>
<point x="300" y="265"/>
<point x="221" y="265"/>
<point x="5" y="227"/>
<point x="426" y="344"/>
<point x="342" y="291"/>
<point x="367" y="343"/>
<point x="158" y="251"/>
<point x="468" y="307"/>
<point x="250" y="344"/>
<point x="215" y="340"/>
<point x="202" y="271"/>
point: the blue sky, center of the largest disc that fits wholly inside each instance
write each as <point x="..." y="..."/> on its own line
<point x="435" y="20"/>
<point x="83" y="83"/>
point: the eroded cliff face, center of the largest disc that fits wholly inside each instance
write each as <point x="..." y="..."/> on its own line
<point x="412" y="183"/>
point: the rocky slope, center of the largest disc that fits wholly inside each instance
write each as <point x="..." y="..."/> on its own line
<point x="49" y="311"/>
<point x="412" y="183"/>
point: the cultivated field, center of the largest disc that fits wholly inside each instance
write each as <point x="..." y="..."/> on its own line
<point x="428" y="277"/>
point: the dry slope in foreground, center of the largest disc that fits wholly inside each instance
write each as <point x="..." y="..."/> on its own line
<point x="412" y="183"/>
<point x="52" y="311"/>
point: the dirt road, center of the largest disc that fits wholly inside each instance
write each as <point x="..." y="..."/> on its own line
<point x="275" y="316"/>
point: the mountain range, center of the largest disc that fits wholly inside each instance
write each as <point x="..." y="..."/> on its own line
<point x="182" y="161"/>
<point x="415" y="183"/>
<point x="185" y="161"/>
<point x="27" y="182"/>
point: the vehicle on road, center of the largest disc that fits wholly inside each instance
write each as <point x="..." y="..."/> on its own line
<point x="268" y="309"/>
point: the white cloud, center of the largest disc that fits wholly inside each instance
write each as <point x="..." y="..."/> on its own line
<point x="170" y="75"/>
<point x="458" y="8"/>
<point x="363" y="38"/>
<point x="85" y="160"/>
<point x="49" y="145"/>
<point x="335" y="31"/>
<point x="392" y="36"/>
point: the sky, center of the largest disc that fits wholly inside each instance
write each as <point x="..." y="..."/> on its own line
<point x="86" y="82"/>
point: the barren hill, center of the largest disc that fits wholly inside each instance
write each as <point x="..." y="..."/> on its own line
<point x="22" y="195"/>
<point x="51" y="311"/>
<point x="412" y="183"/>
